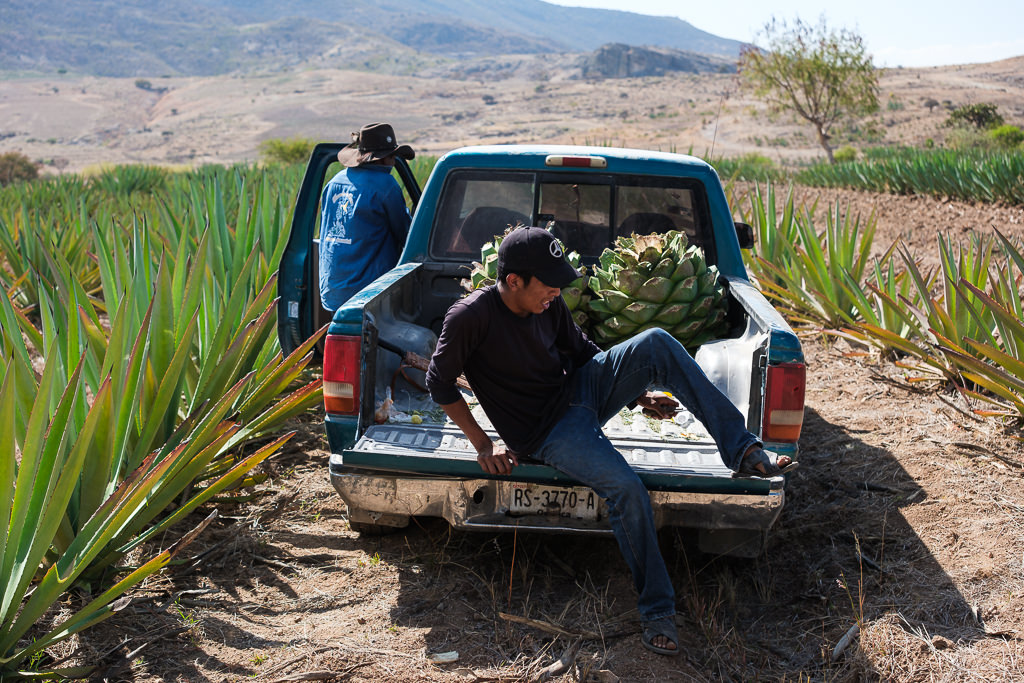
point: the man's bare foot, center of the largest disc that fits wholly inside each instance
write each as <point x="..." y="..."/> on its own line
<point x="757" y="463"/>
<point x="660" y="636"/>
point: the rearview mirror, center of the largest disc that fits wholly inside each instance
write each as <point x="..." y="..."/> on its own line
<point x="745" y="235"/>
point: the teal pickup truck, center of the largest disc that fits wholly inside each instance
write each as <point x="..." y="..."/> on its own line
<point x="393" y="453"/>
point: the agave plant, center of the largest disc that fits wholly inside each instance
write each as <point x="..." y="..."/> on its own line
<point x="161" y="376"/>
<point x="883" y="306"/>
<point x="805" y="274"/>
<point x="996" y="365"/>
<point x="56" y="453"/>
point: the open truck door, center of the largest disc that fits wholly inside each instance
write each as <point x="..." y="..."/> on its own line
<point x="299" y="313"/>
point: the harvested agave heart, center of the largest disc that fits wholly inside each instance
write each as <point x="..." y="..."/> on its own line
<point x="656" y="281"/>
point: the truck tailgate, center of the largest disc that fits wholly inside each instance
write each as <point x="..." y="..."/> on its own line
<point x="433" y="450"/>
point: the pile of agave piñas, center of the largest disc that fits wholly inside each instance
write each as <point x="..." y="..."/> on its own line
<point x="642" y="282"/>
<point x="656" y="281"/>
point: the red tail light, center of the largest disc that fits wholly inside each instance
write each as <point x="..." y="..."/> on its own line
<point x="784" y="402"/>
<point x="341" y="374"/>
<point x="576" y="162"/>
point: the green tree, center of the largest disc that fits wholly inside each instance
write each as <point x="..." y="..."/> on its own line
<point x="816" y="73"/>
<point x="982" y="116"/>
<point x="290" y="151"/>
<point x="16" y="167"/>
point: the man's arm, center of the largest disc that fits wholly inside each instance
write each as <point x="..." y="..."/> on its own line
<point x="492" y="460"/>
<point x="398" y="216"/>
<point x="459" y="335"/>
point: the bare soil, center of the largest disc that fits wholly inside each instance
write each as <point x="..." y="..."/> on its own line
<point x="905" y="519"/>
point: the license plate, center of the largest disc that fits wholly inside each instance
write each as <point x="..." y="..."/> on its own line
<point x="578" y="502"/>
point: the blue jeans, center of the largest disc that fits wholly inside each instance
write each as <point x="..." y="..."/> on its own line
<point x="577" y="446"/>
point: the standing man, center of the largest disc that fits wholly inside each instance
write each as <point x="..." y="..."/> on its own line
<point x="548" y="390"/>
<point x="363" y="219"/>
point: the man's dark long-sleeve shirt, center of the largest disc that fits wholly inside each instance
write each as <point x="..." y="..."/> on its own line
<point x="519" y="367"/>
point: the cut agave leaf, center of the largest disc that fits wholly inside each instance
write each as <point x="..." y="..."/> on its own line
<point x="640" y="312"/>
<point x="655" y="290"/>
<point x="616" y="300"/>
<point x="684" y="291"/>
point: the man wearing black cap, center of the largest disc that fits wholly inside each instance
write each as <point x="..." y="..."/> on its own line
<point x="548" y="390"/>
<point x="363" y="219"/>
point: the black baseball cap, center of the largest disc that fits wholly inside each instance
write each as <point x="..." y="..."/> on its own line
<point x="535" y="250"/>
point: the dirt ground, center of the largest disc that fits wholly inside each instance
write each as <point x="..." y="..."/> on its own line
<point x="905" y="520"/>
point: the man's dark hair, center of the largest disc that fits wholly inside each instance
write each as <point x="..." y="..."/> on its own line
<point x="503" y="275"/>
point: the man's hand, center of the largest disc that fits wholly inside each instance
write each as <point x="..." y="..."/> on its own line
<point x="496" y="460"/>
<point x="492" y="460"/>
<point x="658" y="404"/>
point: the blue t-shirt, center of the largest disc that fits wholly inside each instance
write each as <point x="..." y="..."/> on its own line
<point x="363" y="226"/>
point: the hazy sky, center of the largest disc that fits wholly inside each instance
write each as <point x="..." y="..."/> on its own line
<point x="897" y="32"/>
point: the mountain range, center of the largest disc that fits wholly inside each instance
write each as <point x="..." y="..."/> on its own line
<point x="137" y="38"/>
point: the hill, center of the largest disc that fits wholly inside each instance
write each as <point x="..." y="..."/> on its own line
<point x="127" y="38"/>
<point x="72" y="123"/>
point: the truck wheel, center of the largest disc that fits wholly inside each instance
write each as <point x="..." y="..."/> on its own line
<point x="747" y="543"/>
<point x="375" y="523"/>
<point x="370" y="529"/>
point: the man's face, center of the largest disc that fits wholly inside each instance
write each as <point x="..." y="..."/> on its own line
<point x="532" y="298"/>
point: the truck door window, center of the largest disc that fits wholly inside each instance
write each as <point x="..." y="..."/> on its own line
<point x="477" y="206"/>
<point x="581" y="213"/>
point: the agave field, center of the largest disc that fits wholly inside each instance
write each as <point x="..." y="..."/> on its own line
<point x="960" y="323"/>
<point x="141" y="378"/>
<point x="984" y="176"/>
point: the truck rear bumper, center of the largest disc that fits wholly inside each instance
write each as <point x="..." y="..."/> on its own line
<point x="390" y="499"/>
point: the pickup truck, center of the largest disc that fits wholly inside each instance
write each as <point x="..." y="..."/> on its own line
<point x="393" y="453"/>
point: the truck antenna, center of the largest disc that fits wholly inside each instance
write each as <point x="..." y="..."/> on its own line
<point x="718" y="117"/>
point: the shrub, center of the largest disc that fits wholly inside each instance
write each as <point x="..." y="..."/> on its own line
<point x="963" y="139"/>
<point x="16" y="167"/>
<point x="844" y="154"/>
<point x="290" y="151"/>
<point x="750" y="166"/>
<point x="130" y="179"/>
<point x="981" y="116"/>
<point x="1007" y="136"/>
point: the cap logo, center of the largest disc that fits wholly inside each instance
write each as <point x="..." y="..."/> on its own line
<point x="555" y="248"/>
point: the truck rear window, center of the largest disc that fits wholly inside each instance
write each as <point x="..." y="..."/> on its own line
<point x="587" y="212"/>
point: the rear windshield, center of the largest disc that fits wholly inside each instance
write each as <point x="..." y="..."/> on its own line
<point x="587" y="212"/>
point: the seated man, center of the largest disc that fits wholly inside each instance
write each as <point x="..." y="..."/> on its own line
<point x="548" y="390"/>
<point x="363" y="219"/>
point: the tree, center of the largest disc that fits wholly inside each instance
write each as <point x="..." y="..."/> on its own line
<point x="819" y="74"/>
<point x="290" y="151"/>
<point x="982" y="116"/>
<point x="16" y="167"/>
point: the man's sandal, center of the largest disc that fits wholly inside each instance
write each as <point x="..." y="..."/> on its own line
<point x="660" y="627"/>
<point x="748" y="466"/>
